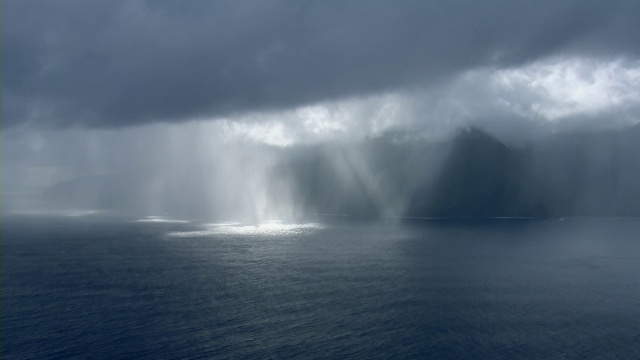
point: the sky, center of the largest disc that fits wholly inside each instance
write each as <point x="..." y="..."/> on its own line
<point x="96" y="87"/>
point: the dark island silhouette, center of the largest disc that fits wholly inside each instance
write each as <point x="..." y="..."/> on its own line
<point x="401" y="174"/>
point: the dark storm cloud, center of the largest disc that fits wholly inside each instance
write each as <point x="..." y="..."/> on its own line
<point x="113" y="63"/>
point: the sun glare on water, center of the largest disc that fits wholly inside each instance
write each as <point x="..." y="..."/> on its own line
<point x="160" y="219"/>
<point x="267" y="228"/>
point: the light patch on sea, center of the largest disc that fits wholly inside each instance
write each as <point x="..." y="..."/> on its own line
<point x="267" y="228"/>
<point x="160" y="219"/>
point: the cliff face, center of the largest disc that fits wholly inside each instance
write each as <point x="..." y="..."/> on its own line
<point x="482" y="178"/>
<point x="476" y="175"/>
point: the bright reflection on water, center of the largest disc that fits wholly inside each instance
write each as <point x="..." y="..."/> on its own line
<point x="267" y="228"/>
<point x="160" y="219"/>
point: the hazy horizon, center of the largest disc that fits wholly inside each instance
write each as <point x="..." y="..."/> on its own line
<point x="237" y="109"/>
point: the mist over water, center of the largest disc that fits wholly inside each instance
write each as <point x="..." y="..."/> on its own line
<point x="320" y="179"/>
<point x="193" y="173"/>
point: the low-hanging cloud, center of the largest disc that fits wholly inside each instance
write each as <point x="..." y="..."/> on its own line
<point x="121" y="63"/>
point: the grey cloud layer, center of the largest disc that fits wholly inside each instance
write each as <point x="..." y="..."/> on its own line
<point x="112" y="63"/>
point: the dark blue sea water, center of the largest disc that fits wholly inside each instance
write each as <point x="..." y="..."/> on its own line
<point x="106" y="288"/>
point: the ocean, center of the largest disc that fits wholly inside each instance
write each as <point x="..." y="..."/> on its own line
<point x="97" y="287"/>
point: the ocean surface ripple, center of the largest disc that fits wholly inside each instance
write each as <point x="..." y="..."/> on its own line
<point x="501" y="289"/>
